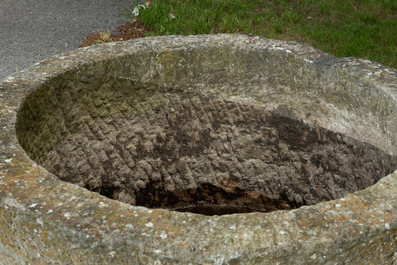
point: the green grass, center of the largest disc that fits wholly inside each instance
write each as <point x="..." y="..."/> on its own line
<point x="360" y="28"/>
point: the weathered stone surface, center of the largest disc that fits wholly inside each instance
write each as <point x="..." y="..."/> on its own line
<point x="203" y="152"/>
<point x="253" y="91"/>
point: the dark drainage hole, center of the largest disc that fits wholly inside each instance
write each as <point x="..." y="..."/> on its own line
<point x="216" y="157"/>
<point x="211" y="200"/>
<point x="206" y="200"/>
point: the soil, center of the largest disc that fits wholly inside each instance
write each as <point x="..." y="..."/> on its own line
<point x="216" y="157"/>
<point x="128" y="31"/>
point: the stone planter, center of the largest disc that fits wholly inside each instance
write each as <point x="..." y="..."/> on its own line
<point x="213" y="149"/>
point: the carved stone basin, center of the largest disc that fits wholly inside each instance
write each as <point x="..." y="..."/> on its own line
<point x="215" y="149"/>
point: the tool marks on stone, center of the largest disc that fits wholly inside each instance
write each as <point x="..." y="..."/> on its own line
<point x="216" y="157"/>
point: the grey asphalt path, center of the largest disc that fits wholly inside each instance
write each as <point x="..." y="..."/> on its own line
<point x="31" y="30"/>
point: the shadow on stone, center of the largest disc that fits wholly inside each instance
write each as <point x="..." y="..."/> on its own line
<point x="216" y="157"/>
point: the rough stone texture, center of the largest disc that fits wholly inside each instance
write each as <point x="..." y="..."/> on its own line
<point x="350" y="104"/>
<point x="206" y="153"/>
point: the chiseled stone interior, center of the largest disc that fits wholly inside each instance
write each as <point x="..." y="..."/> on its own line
<point x="216" y="157"/>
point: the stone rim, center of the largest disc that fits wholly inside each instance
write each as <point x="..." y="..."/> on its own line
<point x="64" y="211"/>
